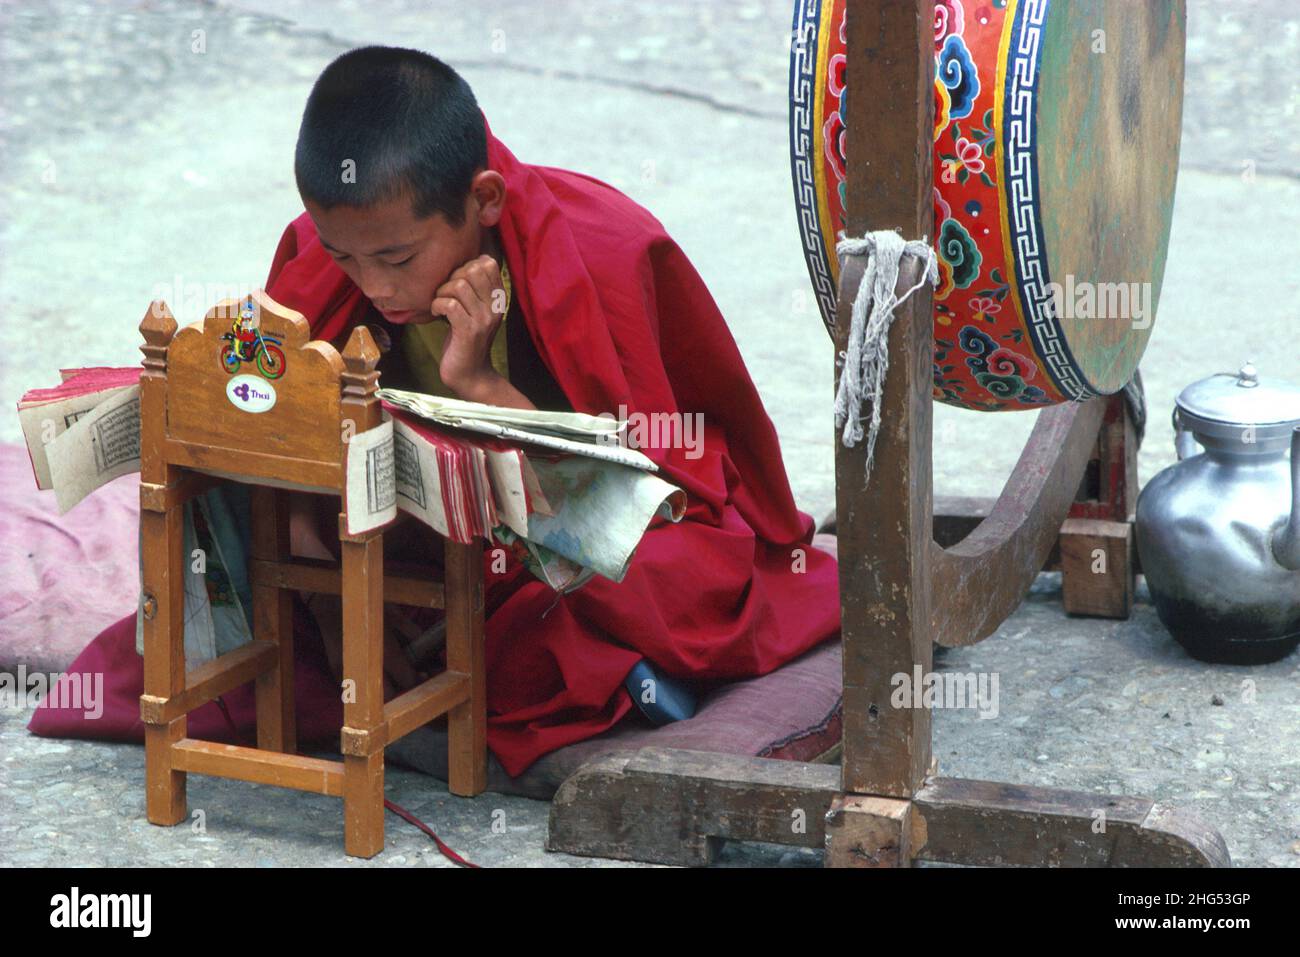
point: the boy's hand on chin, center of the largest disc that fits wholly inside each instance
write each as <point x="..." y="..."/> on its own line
<point x="473" y="301"/>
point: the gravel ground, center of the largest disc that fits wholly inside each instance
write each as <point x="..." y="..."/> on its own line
<point x="1102" y="707"/>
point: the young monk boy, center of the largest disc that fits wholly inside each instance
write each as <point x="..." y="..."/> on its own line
<point x="497" y="281"/>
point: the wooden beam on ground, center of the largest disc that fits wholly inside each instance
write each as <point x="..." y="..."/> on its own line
<point x="984" y="823"/>
<point x="672" y="806"/>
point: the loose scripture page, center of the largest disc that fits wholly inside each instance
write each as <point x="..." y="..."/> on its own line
<point x="418" y="478"/>
<point x="371" y="479"/>
<point x="601" y="512"/>
<point x="100" y="446"/>
<point x="43" y="422"/>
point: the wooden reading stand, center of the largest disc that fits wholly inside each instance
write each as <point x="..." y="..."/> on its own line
<point x="193" y="437"/>
<point x="901" y="590"/>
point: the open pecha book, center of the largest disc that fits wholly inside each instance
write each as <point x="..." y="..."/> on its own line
<point x="557" y="489"/>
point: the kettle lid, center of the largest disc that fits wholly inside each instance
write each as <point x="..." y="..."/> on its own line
<point x="1240" y="399"/>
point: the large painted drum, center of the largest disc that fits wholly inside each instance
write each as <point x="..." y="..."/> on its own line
<point x="1055" y="154"/>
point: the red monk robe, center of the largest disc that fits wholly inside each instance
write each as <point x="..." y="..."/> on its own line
<point x="625" y="325"/>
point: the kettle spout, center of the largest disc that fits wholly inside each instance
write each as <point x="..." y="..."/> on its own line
<point x="1286" y="542"/>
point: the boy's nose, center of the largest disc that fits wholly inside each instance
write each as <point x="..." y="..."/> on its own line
<point x="374" y="286"/>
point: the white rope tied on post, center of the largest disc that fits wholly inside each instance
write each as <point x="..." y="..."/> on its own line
<point x="866" y="360"/>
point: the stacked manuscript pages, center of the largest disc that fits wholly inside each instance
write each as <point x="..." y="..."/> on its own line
<point x="558" y="489"/>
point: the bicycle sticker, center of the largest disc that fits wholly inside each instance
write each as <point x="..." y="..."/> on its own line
<point x="247" y="343"/>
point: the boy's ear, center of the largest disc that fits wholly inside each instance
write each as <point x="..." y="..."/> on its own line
<point x="489" y="190"/>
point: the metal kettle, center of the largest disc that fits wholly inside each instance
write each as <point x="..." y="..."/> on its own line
<point x="1218" y="533"/>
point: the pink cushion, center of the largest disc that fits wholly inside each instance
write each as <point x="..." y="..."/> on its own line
<point x="66" y="577"/>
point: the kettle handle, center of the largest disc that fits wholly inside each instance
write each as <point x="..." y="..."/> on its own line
<point x="1184" y="441"/>
<point x="1286" y="540"/>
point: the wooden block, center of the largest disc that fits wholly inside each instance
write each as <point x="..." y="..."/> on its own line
<point x="362" y="742"/>
<point x="1097" y="568"/>
<point x="865" y="831"/>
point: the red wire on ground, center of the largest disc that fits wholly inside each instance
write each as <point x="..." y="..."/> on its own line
<point x="393" y="806"/>
<point x="447" y="852"/>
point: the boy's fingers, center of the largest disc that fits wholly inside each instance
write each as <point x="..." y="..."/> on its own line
<point x="453" y="310"/>
<point x="483" y="278"/>
<point x="492" y="266"/>
<point x="457" y="288"/>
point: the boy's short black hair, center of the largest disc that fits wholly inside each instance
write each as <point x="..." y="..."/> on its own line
<point x="408" y="122"/>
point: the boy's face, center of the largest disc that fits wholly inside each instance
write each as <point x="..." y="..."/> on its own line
<point x="398" y="261"/>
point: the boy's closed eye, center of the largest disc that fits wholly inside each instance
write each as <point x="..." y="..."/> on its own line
<point x="396" y="265"/>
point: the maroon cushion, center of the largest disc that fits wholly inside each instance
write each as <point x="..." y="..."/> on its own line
<point x="792" y="714"/>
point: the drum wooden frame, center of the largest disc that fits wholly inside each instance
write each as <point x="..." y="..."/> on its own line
<point x="885" y="805"/>
<point x="192" y="437"/>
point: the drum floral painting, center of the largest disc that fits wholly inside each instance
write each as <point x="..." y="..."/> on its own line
<point x="1055" y="154"/>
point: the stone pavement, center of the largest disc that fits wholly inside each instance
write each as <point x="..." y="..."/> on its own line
<point x="146" y="159"/>
<point x="1102" y="707"/>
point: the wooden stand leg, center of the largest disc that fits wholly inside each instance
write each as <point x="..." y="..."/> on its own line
<point x="673" y="806"/>
<point x="273" y="621"/>
<point x="467" y="722"/>
<point x="161" y="543"/>
<point x="165" y="800"/>
<point x="363" y="804"/>
<point x="363" y="689"/>
<point x="1098" y="553"/>
<point x="884" y="533"/>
